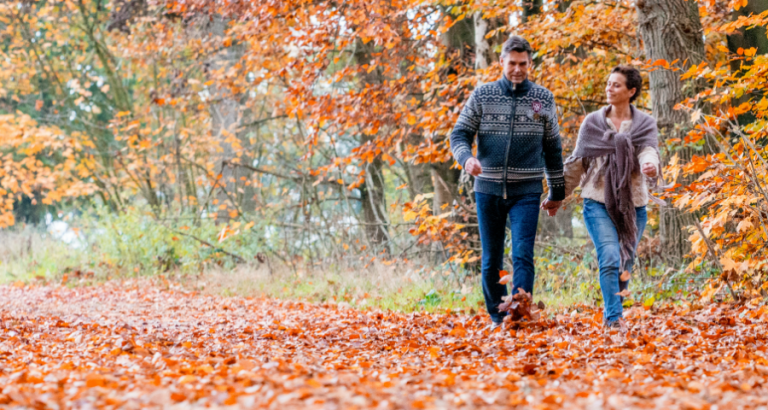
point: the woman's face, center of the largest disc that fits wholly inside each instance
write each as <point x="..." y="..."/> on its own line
<point x="616" y="90"/>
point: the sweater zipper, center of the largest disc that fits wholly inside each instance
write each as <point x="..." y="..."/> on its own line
<point x="509" y="140"/>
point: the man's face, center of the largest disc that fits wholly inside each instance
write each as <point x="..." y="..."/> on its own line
<point x="516" y="65"/>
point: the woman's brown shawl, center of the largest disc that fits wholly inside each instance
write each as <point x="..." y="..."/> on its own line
<point x="597" y="139"/>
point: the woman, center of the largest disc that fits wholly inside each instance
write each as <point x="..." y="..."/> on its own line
<point x="616" y="149"/>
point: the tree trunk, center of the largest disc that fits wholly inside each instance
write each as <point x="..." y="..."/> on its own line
<point x="531" y="8"/>
<point x="485" y="55"/>
<point x="745" y="39"/>
<point x="224" y="110"/>
<point x="671" y="30"/>
<point x="374" y="204"/>
<point x="372" y="191"/>
<point x="459" y="39"/>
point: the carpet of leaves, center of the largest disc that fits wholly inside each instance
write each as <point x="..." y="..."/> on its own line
<point x="137" y="345"/>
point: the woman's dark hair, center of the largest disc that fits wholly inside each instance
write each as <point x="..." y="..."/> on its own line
<point x="634" y="79"/>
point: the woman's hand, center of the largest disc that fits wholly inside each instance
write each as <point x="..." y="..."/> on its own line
<point x="649" y="170"/>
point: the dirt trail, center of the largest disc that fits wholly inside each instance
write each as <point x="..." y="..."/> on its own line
<point x="134" y="345"/>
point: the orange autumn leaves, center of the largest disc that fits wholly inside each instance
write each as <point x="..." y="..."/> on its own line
<point x="134" y="345"/>
<point x="41" y="163"/>
<point x="729" y="192"/>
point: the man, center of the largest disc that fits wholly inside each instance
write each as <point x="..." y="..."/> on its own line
<point x="518" y="142"/>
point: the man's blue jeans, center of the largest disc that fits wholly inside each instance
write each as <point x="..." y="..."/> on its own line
<point x="492" y="214"/>
<point x="603" y="233"/>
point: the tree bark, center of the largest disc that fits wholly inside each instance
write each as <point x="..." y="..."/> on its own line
<point x="224" y="110"/>
<point x="374" y="204"/>
<point x="671" y="30"/>
<point x="372" y="191"/>
<point x="458" y="40"/>
<point x="485" y="55"/>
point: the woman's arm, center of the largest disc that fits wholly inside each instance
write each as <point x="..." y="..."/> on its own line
<point x="574" y="169"/>
<point x="649" y="161"/>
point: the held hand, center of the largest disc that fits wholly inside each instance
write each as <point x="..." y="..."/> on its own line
<point x="551" y="206"/>
<point x="649" y="170"/>
<point x="473" y="167"/>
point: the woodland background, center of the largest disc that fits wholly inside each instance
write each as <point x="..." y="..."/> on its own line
<point x="300" y="148"/>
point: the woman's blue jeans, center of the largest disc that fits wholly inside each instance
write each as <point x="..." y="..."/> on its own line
<point x="603" y="233"/>
<point x="492" y="214"/>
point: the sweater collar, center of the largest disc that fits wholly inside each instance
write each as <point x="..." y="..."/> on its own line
<point x="506" y="85"/>
<point x="632" y="109"/>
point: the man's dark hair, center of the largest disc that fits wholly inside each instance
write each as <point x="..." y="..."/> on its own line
<point x="634" y="79"/>
<point x="516" y="43"/>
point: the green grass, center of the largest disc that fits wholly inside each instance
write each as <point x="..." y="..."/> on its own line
<point x="132" y="244"/>
<point x="28" y="254"/>
<point x="400" y="287"/>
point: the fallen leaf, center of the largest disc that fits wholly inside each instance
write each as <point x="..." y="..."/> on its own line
<point x="625" y="276"/>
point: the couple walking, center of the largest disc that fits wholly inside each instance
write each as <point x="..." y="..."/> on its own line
<point x="518" y="143"/>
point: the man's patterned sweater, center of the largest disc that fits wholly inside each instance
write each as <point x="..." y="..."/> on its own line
<point x="518" y="149"/>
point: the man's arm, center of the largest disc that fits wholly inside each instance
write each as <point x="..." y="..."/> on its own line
<point x="464" y="131"/>
<point x="553" y="153"/>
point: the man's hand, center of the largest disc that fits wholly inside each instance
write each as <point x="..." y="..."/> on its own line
<point x="551" y="206"/>
<point x="472" y="165"/>
<point x="649" y="170"/>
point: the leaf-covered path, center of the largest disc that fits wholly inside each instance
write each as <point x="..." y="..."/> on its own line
<point x="137" y="346"/>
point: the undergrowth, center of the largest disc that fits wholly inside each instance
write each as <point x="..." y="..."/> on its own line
<point x="203" y="257"/>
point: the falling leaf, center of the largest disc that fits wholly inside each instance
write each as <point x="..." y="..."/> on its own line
<point x="504" y="277"/>
<point x="625" y="276"/>
<point x="624" y="293"/>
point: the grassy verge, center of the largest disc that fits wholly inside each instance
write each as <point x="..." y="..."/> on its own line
<point x="113" y="247"/>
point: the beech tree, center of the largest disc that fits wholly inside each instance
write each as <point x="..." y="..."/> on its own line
<point x="671" y="31"/>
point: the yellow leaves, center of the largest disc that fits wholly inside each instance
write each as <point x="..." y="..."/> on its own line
<point x="762" y="105"/>
<point x="738" y="4"/>
<point x="24" y="172"/>
<point x="409" y="216"/>
<point x="731" y="265"/>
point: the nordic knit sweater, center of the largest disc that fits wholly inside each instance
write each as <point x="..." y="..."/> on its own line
<point x="518" y="139"/>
